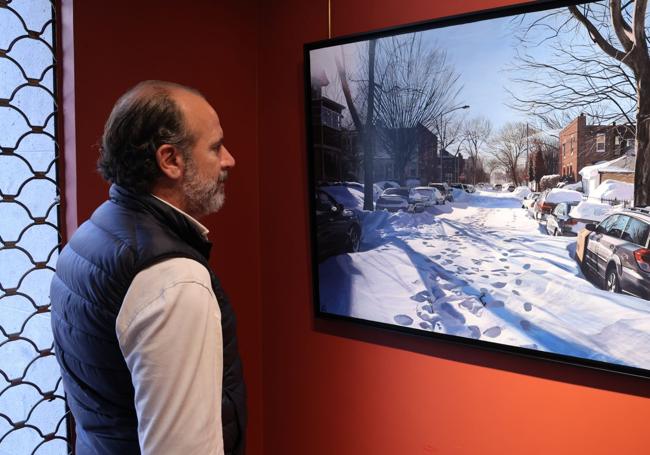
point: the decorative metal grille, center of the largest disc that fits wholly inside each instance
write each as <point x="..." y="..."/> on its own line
<point x="32" y="405"/>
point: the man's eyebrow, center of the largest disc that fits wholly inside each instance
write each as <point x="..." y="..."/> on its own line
<point x="218" y="143"/>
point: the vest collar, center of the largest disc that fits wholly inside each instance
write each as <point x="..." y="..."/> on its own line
<point x="165" y="214"/>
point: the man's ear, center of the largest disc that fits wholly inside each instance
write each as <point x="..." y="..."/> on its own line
<point x="170" y="161"/>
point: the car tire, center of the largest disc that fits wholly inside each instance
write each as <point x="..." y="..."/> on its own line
<point x="354" y="239"/>
<point x="612" y="281"/>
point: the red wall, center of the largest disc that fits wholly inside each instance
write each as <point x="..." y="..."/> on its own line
<point x="337" y="388"/>
<point x="206" y="44"/>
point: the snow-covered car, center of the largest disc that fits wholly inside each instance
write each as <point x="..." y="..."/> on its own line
<point x="560" y="222"/>
<point x="337" y="229"/>
<point x="511" y="187"/>
<point x="549" y="199"/>
<point x="393" y="200"/>
<point x="497" y="187"/>
<point x="529" y="200"/>
<point x="570" y="218"/>
<point x="469" y="188"/>
<point x="618" y="252"/>
<point x="426" y="196"/>
<point x="444" y="189"/>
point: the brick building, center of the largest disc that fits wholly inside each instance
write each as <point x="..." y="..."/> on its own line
<point x="583" y="145"/>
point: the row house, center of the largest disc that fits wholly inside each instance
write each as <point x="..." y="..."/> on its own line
<point x="583" y="145"/>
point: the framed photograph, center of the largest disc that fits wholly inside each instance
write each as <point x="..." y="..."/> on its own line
<point x="480" y="179"/>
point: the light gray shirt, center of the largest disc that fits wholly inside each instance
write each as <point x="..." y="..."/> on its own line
<point x="169" y="331"/>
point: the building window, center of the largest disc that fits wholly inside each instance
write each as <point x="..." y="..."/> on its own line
<point x="32" y="403"/>
<point x="600" y="142"/>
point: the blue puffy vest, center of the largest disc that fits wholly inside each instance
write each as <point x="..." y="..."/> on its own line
<point x="125" y="235"/>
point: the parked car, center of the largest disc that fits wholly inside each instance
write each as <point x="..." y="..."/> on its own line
<point x="444" y="189"/>
<point x="550" y="198"/>
<point x="511" y="187"/>
<point x="498" y="187"/>
<point x="469" y="188"/>
<point x="426" y="196"/>
<point x="393" y="200"/>
<point x="529" y="200"/>
<point x="338" y="229"/>
<point x="560" y="222"/>
<point x="617" y="252"/>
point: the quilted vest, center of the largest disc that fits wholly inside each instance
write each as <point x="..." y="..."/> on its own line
<point x="125" y="235"/>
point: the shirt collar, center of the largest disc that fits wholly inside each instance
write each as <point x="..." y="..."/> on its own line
<point x="201" y="228"/>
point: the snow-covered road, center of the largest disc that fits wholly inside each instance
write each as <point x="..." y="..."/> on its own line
<point x="484" y="269"/>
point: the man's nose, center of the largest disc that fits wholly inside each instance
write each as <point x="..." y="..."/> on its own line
<point x="227" y="160"/>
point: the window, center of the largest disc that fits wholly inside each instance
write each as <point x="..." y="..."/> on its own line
<point x="600" y="142"/>
<point x="636" y="232"/>
<point x="32" y="407"/>
<point x="617" y="228"/>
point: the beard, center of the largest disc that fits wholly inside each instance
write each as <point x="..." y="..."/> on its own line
<point x="203" y="196"/>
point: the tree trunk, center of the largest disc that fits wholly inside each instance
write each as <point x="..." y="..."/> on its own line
<point x="642" y="168"/>
<point x="369" y="132"/>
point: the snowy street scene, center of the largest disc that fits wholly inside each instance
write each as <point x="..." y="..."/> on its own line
<point x="482" y="268"/>
<point x="487" y="180"/>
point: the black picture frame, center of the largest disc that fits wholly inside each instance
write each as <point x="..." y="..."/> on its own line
<point x="319" y="255"/>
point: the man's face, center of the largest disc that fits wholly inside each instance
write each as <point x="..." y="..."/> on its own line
<point x="207" y="162"/>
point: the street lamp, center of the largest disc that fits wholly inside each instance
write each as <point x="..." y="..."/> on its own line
<point x="440" y="116"/>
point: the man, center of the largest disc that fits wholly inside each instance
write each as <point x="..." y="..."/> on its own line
<point x="143" y="332"/>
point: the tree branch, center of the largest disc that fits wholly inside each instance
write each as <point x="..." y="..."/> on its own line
<point x="622" y="28"/>
<point x="595" y="35"/>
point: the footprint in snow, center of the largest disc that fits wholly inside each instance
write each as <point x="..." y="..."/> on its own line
<point x="403" y="319"/>
<point x="428" y="308"/>
<point x="503" y="260"/>
<point x="474" y="332"/>
<point x="421" y="296"/>
<point x="485" y="276"/>
<point x="426" y="326"/>
<point x="515" y="292"/>
<point x="526" y="325"/>
<point x="499" y="284"/>
<point x="528" y="306"/>
<point x="518" y="282"/>
<point x="493" y="332"/>
<point x="539" y="272"/>
<point x="495" y="304"/>
<point x="526" y="266"/>
<point x="436" y="257"/>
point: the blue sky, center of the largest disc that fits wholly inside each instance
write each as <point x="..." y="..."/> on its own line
<point x="480" y="52"/>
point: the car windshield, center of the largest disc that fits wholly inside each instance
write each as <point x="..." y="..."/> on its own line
<point x="423" y="191"/>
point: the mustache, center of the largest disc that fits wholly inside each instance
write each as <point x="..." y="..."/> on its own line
<point x="223" y="176"/>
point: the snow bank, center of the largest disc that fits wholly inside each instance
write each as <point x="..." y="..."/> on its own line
<point x="613" y="189"/>
<point x="594" y="211"/>
<point x="558" y="195"/>
<point x="459" y="195"/>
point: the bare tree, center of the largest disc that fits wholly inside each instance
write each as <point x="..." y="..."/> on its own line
<point x="607" y="77"/>
<point x="476" y="132"/>
<point x="508" y="149"/>
<point x="413" y="85"/>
